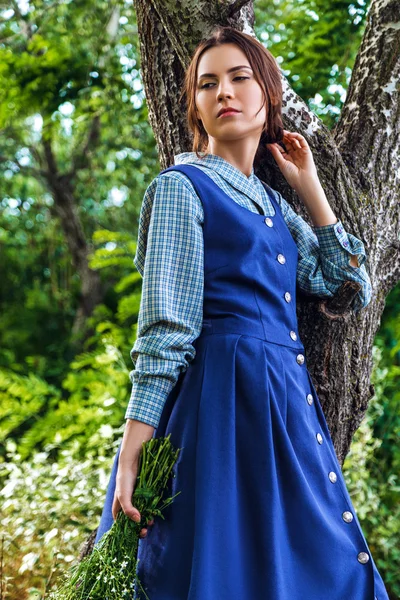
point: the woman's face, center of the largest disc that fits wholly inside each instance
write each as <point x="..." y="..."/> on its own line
<point x="218" y="87"/>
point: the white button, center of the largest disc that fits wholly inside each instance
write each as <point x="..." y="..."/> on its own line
<point x="268" y="221"/>
<point x="347" y="516"/>
<point x="281" y="259"/>
<point x="300" y="359"/>
<point x="319" y="438"/>
<point x="332" y="476"/>
<point x="288" y="297"/>
<point x="293" y="335"/>
<point x="363" y="557"/>
<point x="310" y="399"/>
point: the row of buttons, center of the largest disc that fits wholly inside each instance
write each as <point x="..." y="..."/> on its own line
<point x="339" y="230"/>
<point x="281" y="259"/>
<point x="347" y="516"/>
<point x="288" y="298"/>
<point x="362" y="557"/>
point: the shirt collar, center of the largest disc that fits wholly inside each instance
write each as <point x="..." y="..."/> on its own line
<point x="248" y="185"/>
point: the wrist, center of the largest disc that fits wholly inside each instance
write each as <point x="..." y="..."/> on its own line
<point x="135" y="433"/>
<point x="309" y="188"/>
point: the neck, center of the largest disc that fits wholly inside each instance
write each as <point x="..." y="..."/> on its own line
<point x="240" y="153"/>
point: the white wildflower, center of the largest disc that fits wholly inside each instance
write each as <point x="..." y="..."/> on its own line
<point x="50" y="535"/>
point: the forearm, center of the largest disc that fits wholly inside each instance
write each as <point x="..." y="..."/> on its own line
<point x="135" y="433"/>
<point x="314" y="199"/>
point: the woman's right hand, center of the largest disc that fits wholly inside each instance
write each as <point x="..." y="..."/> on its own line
<point x="128" y="464"/>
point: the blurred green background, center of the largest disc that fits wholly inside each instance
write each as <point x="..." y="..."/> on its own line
<point x="64" y="390"/>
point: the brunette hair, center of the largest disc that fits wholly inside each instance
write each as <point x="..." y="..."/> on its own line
<point x="266" y="72"/>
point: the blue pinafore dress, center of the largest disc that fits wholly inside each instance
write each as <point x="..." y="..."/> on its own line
<point x="263" y="512"/>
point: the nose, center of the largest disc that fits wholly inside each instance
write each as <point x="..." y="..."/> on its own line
<point x="224" y="90"/>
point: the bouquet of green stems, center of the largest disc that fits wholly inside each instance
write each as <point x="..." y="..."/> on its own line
<point x="109" y="572"/>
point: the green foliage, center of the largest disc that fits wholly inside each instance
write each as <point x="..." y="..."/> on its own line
<point x="70" y="76"/>
<point x="23" y="401"/>
<point x="95" y="387"/>
<point x="316" y="43"/>
<point x="39" y="71"/>
<point x="47" y="509"/>
<point x="72" y="438"/>
<point x="54" y="473"/>
<point x="38" y="293"/>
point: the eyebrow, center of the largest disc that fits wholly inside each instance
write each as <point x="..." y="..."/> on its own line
<point x="228" y="71"/>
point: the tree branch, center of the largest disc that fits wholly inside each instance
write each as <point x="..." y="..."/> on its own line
<point x="83" y="157"/>
<point x="235" y="7"/>
<point x="26" y="28"/>
<point x="368" y="130"/>
<point x="51" y="162"/>
<point x="65" y="207"/>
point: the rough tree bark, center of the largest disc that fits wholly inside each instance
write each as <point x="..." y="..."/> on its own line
<point x="358" y="164"/>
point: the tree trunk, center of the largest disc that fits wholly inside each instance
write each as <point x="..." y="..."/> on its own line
<point x="358" y="165"/>
<point x="65" y="208"/>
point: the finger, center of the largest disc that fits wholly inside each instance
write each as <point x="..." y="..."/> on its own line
<point x="144" y="531"/>
<point x="276" y="148"/>
<point x="293" y="133"/>
<point x="130" y="510"/>
<point x="293" y="141"/>
<point x="277" y="153"/>
<point x="288" y="136"/>
<point x="290" y="144"/>
<point x="116" y="507"/>
<point x="289" y="139"/>
<point x="299" y="138"/>
<point x="124" y="490"/>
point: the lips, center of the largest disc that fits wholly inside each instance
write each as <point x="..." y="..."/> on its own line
<point x="225" y="110"/>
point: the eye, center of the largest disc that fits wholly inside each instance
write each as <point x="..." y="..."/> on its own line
<point x="204" y="86"/>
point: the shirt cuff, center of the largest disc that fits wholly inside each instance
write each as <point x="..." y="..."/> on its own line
<point x="337" y="245"/>
<point x="147" y="401"/>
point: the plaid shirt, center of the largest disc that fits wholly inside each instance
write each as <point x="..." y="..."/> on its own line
<point x="169" y="257"/>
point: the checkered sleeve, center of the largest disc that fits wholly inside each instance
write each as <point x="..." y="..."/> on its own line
<point x="169" y="257"/>
<point x="324" y="255"/>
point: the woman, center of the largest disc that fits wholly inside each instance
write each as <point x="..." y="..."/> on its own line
<point x="263" y="511"/>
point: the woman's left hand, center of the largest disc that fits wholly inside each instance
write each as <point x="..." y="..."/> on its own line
<point x="297" y="164"/>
